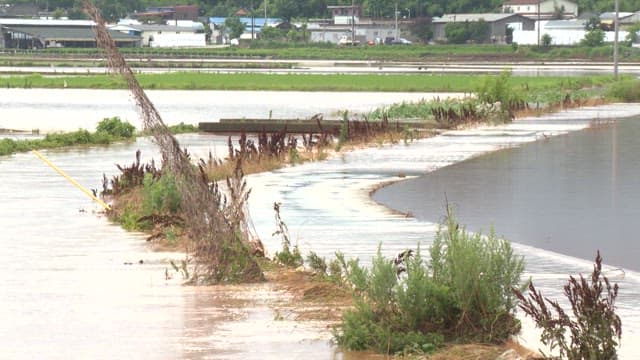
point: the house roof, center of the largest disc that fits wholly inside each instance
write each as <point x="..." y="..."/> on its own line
<point x="612" y="15"/>
<point x="522" y="2"/>
<point x="257" y="22"/>
<point x="489" y="17"/>
<point x="66" y="33"/>
<point x="38" y="22"/>
<point x="160" y="27"/>
<point x="565" y="24"/>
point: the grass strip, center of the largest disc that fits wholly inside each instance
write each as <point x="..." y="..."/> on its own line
<point x="300" y="82"/>
<point x="326" y="51"/>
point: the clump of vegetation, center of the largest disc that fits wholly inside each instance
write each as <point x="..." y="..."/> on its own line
<point x="627" y="90"/>
<point x="462" y="293"/>
<point x="109" y="130"/>
<point x="498" y="90"/>
<point x="288" y="257"/>
<point x="593" y="329"/>
<point x="463" y="32"/>
<point x="116" y="128"/>
<point x="183" y="128"/>
<point x="160" y="195"/>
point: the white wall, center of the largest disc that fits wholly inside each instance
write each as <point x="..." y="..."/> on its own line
<point x="178" y="40"/>
<point x="560" y="37"/>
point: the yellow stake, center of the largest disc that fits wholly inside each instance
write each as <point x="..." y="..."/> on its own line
<point x="72" y="181"/>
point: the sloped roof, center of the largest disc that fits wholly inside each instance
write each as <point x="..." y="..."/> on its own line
<point x="59" y="33"/>
<point x="488" y="17"/>
<point x="39" y="22"/>
<point x="522" y="2"/>
<point x="565" y="24"/>
<point x="612" y="15"/>
<point x="160" y="27"/>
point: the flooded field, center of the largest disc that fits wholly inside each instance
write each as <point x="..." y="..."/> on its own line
<point x="571" y="194"/>
<point x="74" y="286"/>
<point x="70" y="109"/>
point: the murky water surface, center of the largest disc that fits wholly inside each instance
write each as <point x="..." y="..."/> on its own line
<point x="70" y="109"/>
<point x="67" y="291"/>
<point x="570" y="194"/>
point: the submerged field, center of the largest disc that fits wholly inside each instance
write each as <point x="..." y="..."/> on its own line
<point x="300" y="82"/>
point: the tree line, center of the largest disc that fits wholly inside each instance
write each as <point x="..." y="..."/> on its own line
<point x="305" y="9"/>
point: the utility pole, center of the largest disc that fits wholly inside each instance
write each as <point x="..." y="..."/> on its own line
<point x="396" y="22"/>
<point x="538" y="24"/>
<point x="615" y="42"/>
<point x="265" y="15"/>
<point x="253" y="14"/>
<point x="353" y="23"/>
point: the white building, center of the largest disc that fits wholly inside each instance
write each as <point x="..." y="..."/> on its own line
<point x="562" y="32"/>
<point x="545" y="9"/>
<point x="166" y="35"/>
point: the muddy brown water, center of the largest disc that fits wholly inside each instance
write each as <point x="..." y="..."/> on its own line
<point x="67" y="291"/>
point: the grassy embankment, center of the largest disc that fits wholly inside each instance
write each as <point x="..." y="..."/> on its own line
<point x="108" y="131"/>
<point x="301" y="82"/>
<point x="413" y="53"/>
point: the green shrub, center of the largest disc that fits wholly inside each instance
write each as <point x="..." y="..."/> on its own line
<point x="463" y="293"/>
<point x="625" y="90"/>
<point x="498" y="89"/>
<point x="479" y="273"/>
<point x="316" y="263"/>
<point x="116" y="128"/>
<point x="593" y="38"/>
<point x="183" y="128"/>
<point x="161" y="195"/>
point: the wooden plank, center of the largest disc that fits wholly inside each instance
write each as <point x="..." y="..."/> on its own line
<point x="293" y="126"/>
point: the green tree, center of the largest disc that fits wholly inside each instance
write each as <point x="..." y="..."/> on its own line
<point x="272" y="33"/>
<point x="456" y="33"/>
<point x="546" y="40"/>
<point x="460" y="33"/>
<point x="421" y="28"/>
<point x="593" y="38"/>
<point x="234" y="26"/>
<point x="479" y="31"/>
<point x="287" y="9"/>
<point x="59" y="13"/>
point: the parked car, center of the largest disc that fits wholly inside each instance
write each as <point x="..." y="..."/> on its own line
<point x="399" y="41"/>
<point x="346" y="41"/>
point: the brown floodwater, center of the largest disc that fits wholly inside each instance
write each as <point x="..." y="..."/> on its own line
<point x="72" y="285"/>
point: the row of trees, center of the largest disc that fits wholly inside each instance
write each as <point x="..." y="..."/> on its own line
<point x="288" y="9"/>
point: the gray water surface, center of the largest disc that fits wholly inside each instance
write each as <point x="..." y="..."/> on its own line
<point x="572" y="194"/>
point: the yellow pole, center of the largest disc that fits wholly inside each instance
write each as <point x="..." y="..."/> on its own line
<point x="72" y="181"/>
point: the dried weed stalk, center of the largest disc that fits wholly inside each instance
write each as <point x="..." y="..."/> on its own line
<point x="592" y="331"/>
<point x="216" y="225"/>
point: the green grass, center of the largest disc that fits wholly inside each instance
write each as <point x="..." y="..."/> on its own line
<point x="376" y="53"/>
<point x="297" y="82"/>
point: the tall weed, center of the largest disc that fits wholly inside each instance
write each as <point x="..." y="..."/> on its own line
<point x="593" y="329"/>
